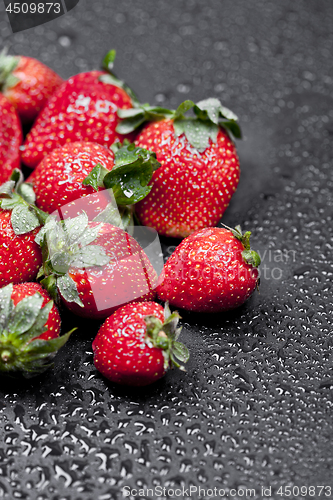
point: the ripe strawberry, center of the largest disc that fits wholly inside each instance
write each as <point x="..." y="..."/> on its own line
<point x="27" y="83"/>
<point x="212" y="270"/>
<point x="94" y="267"/>
<point x="75" y="171"/>
<point x="20" y="256"/>
<point x="10" y="139"/>
<point x="29" y="330"/>
<point x="138" y="344"/>
<point x="84" y="108"/>
<point x="200" y="167"/>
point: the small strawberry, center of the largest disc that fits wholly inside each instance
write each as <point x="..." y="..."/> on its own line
<point x="77" y="170"/>
<point x="27" y="83"/>
<point x="138" y="344"/>
<point x="93" y="267"/>
<point x="10" y="139"/>
<point x="29" y="330"/>
<point x="200" y="167"/>
<point x="84" y="108"/>
<point x="212" y="270"/>
<point x="20" y="256"/>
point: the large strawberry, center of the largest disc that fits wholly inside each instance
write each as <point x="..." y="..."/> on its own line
<point x="93" y="267"/>
<point x="74" y="172"/>
<point x="29" y="330"/>
<point x="84" y="108"/>
<point x="27" y="83"/>
<point x="138" y="344"/>
<point x="20" y="256"/>
<point x="212" y="270"/>
<point x="10" y="139"/>
<point x="200" y="167"/>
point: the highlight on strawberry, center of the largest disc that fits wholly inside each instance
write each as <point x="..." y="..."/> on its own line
<point x="27" y="83"/>
<point x="138" y="344"/>
<point x="213" y="270"/>
<point x="29" y="330"/>
<point x="10" y="139"/>
<point x="200" y="167"/>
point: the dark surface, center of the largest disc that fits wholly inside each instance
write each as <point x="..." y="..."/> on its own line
<point x="255" y="406"/>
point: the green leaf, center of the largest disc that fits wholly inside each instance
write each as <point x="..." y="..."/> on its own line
<point x="60" y="262"/>
<point x="170" y="325"/>
<point x="134" y="118"/>
<point x="111" y="79"/>
<point x="96" y="176"/>
<point x="50" y="285"/>
<point x="39" y="347"/>
<point x="109" y="215"/>
<point x="24" y="314"/>
<point x="233" y="127"/>
<point x="7" y="188"/>
<point x="129" y="178"/>
<point x="6" y="305"/>
<point x="68" y="290"/>
<point x="197" y="132"/>
<point x="7" y="65"/>
<point x="130" y="124"/>
<point x="74" y="227"/>
<point x="251" y="257"/>
<point x="23" y="220"/>
<point x="26" y="191"/>
<point x="108" y="60"/>
<point x="89" y="235"/>
<point x="182" y="109"/>
<point x="38" y="326"/>
<point x="90" y="256"/>
<point x="180" y="351"/>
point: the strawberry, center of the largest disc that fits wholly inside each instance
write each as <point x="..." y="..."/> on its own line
<point x="84" y="108"/>
<point x="29" y="330"/>
<point x="10" y="139"/>
<point x="94" y="268"/>
<point x="138" y="344"/>
<point x="77" y="170"/>
<point x="27" y="83"/>
<point x="20" y="256"/>
<point x="200" y="167"/>
<point x="212" y="270"/>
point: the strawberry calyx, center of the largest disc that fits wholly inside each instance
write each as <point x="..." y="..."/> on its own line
<point x="64" y="244"/>
<point x="19" y="197"/>
<point x="251" y="257"/>
<point x="7" y="65"/>
<point x="208" y="116"/>
<point x="111" y="79"/>
<point x="164" y="336"/>
<point x="21" y="351"/>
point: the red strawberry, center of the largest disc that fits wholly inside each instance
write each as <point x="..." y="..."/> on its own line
<point x="74" y="172"/>
<point x="10" y="139"/>
<point x="212" y="270"/>
<point x="200" y="167"/>
<point x="95" y="268"/>
<point x="27" y="83"/>
<point x="29" y="330"/>
<point x="84" y="108"/>
<point x="20" y="256"/>
<point x="138" y="344"/>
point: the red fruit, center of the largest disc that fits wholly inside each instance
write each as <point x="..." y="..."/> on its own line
<point x="27" y="83"/>
<point x="192" y="189"/>
<point x="29" y="330"/>
<point x="212" y="270"/>
<point x="20" y="256"/>
<point x="82" y="109"/>
<point x="95" y="267"/>
<point x="10" y="139"/>
<point x="57" y="180"/>
<point x="137" y="344"/>
<point x="52" y="326"/>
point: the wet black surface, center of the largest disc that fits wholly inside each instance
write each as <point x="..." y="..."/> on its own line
<point x="255" y="406"/>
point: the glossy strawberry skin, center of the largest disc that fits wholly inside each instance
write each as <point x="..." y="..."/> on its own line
<point x="37" y="82"/>
<point x="191" y="190"/>
<point x="57" y="180"/>
<point x="128" y="277"/>
<point x="20" y="256"/>
<point x="82" y="109"/>
<point x="53" y="323"/>
<point x="207" y="273"/>
<point x="10" y="139"/>
<point x="120" y="351"/>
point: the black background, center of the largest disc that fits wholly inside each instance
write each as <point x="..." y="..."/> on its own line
<point x="255" y="406"/>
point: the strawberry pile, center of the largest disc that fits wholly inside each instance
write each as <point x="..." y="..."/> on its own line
<point x="102" y="163"/>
